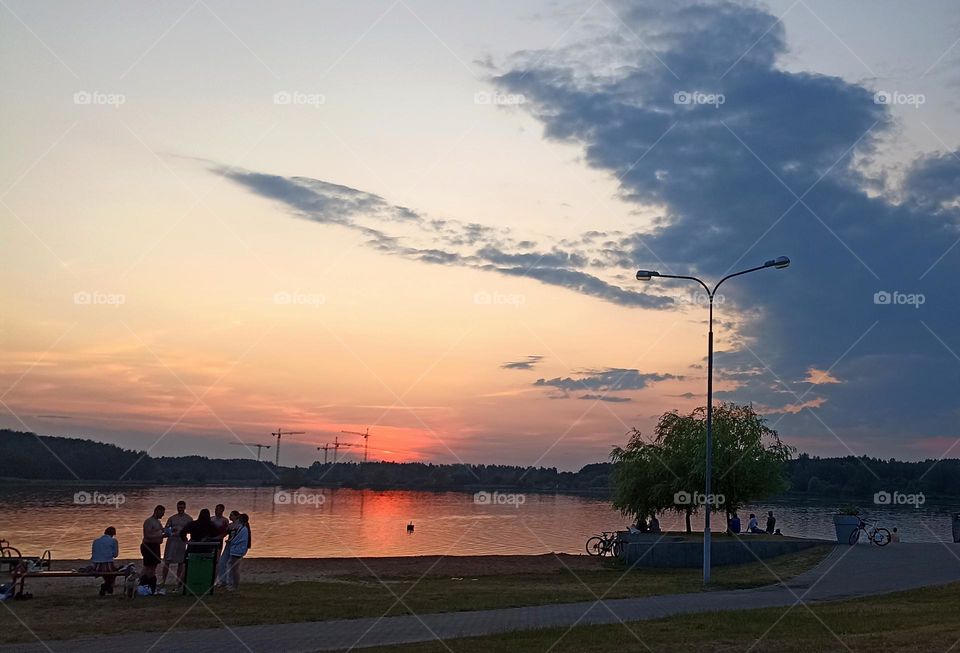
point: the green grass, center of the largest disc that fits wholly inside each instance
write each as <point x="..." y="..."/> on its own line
<point x="918" y="620"/>
<point x="55" y="614"/>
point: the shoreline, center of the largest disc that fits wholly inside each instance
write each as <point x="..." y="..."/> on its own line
<point x="289" y="570"/>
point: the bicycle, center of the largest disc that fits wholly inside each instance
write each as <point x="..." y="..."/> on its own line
<point x="605" y="544"/>
<point x="7" y="551"/>
<point x="878" y="536"/>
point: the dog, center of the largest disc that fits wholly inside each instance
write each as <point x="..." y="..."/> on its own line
<point x="130" y="582"/>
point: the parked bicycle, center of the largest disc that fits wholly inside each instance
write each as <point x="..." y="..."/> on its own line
<point x="605" y="544"/>
<point x="878" y="536"/>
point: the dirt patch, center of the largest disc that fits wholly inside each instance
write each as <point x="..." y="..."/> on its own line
<point x="286" y="570"/>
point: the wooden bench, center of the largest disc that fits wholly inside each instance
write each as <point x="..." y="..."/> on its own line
<point x="22" y="572"/>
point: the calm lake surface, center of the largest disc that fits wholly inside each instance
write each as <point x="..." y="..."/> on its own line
<point x="339" y="523"/>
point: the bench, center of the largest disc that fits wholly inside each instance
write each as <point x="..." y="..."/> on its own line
<point x="11" y="561"/>
<point x="22" y="572"/>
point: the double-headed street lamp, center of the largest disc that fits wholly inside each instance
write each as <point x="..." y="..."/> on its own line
<point x="646" y="275"/>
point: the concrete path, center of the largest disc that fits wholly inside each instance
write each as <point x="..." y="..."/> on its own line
<point x="847" y="572"/>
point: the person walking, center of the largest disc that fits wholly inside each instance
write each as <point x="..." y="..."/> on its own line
<point x="176" y="549"/>
<point x="153" y="535"/>
<point x="240" y="543"/>
<point x="104" y="551"/>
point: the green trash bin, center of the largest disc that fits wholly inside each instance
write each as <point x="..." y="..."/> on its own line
<point x="201" y="568"/>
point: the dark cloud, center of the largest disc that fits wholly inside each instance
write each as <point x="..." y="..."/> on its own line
<point x="611" y="399"/>
<point x="442" y="241"/>
<point x="527" y="364"/>
<point x="611" y="379"/>
<point x="773" y="170"/>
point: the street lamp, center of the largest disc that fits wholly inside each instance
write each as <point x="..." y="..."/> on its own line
<point x="646" y="275"/>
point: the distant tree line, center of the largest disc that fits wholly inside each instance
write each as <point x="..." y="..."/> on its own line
<point x="31" y="457"/>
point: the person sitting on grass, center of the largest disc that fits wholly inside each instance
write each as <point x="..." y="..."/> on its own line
<point x="734" y="525"/>
<point x="895" y="535"/>
<point x="654" y="524"/>
<point x="753" y="526"/>
<point x="771" y="522"/>
<point x="105" y="551"/>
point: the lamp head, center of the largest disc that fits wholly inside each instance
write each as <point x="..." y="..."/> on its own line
<point x="646" y="275"/>
<point x="780" y="262"/>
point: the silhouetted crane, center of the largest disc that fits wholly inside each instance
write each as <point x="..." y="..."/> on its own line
<point x="366" y="437"/>
<point x="278" y="434"/>
<point x="253" y="444"/>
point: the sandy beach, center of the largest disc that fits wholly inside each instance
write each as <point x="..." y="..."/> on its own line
<point x="288" y="570"/>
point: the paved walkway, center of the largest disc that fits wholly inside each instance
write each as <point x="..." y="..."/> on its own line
<point x="847" y="572"/>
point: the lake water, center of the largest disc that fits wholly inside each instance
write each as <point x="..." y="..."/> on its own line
<point x="340" y="523"/>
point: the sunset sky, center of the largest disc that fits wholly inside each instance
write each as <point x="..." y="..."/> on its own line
<point x="425" y="217"/>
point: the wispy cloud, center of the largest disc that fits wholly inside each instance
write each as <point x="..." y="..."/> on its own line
<point x="401" y="231"/>
<point x="527" y="363"/>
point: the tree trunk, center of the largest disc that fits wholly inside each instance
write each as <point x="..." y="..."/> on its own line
<point x="689" y="512"/>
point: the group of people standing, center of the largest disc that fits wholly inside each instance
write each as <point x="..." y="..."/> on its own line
<point x="232" y="534"/>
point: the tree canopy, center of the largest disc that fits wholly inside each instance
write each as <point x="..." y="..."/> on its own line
<point x="668" y="471"/>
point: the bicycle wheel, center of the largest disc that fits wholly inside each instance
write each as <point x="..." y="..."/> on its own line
<point x="880" y="537"/>
<point x="855" y="537"/>
<point x="595" y="546"/>
<point x="616" y="549"/>
<point x="10" y="552"/>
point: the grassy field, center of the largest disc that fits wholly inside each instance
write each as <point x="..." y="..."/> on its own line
<point x="918" y="620"/>
<point x="71" y="609"/>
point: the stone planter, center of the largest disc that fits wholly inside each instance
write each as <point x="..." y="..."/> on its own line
<point x="844" y="525"/>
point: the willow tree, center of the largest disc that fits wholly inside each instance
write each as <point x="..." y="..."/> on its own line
<point x="748" y="463"/>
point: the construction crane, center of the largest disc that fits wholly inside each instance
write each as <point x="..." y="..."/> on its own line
<point x="278" y="434"/>
<point x="327" y="447"/>
<point x="366" y="438"/>
<point x="335" y="445"/>
<point x="253" y="444"/>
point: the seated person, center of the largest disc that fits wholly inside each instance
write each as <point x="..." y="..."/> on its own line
<point x="771" y="522"/>
<point x="639" y="526"/>
<point x="654" y="524"/>
<point x="734" y="525"/>
<point x="753" y="526"/>
<point x="105" y="550"/>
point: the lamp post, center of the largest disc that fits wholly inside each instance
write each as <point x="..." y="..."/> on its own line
<point x="646" y="275"/>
